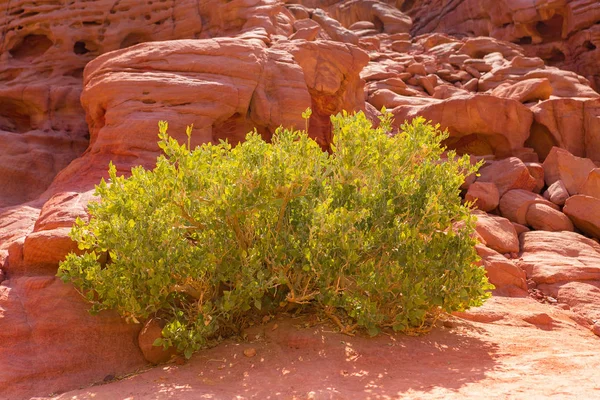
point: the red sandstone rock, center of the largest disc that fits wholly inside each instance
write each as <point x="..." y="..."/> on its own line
<point x="515" y="204"/>
<point x="520" y="228"/>
<point x="484" y="195"/>
<point x="497" y="232"/>
<point x="507" y="174"/>
<point x="334" y="29"/>
<point x="306" y="29"/>
<point x="567" y="123"/>
<point x="255" y="77"/>
<point x="550" y="257"/>
<point x="385" y="18"/>
<point x="584" y="211"/>
<point x="468" y="119"/>
<point x="571" y="170"/>
<point x="50" y="343"/>
<point x="545" y="218"/>
<point x="582" y="298"/>
<point x="151" y="331"/>
<point x="557" y="193"/>
<point x="563" y="33"/>
<point x="591" y="186"/>
<point x="536" y="170"/>
<point x="502" y="273"/>
<point x="524" y="91"/>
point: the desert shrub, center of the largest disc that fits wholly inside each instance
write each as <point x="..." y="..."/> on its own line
<point x="373" y="234"/>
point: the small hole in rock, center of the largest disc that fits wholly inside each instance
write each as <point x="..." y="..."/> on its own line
<point x="555" y="57"/>
<point x="80" y="48"/>
<point x="589" y="45"/>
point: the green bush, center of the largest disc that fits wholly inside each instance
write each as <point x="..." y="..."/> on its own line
<point x="373" y="234"/>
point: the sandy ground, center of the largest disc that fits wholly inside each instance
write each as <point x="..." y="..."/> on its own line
<point x="508" y="349"/>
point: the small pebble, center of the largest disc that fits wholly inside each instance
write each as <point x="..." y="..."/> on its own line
<point x="250" y="352"/>
<point x="449" y="324"/>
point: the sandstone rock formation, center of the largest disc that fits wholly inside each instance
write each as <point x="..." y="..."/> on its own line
<point x="563" y="33"/>
<point x="85" y="83"/>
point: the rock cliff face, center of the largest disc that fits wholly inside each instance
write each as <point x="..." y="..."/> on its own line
<point x="85" y="83"/>
<point x="563" y="33"/>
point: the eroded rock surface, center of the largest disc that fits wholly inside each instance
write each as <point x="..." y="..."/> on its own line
<point x="85" y="83"/>
<point x="563" y="33"/>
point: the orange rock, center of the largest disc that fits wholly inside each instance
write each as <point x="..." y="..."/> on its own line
<point x="571" y="170"/>
<point x="498" y="233"/>
<point x="484" y="195"/>
<point x="515" y="204"/>
<point x="520" y="228"/>
<point x="469" y="116"/>
<point x="385" y="17"/>
<point x="306" y="29"/>
<point x="502" y="273"/>
<point x="51" y="343"/>
<point x="557" y="193"/>
<point x="551" y="257"/>
<point x="582" y="298"/>
<point x="151" y="331"/>
<point x="43" y="250"/>
<point x="584" y="211"/>
<point x="334" y="29"/>
<point x="542" y="217"/>
<point x="524" y="91"/>
<point x="562" y="33"/>
<point x="591" y="186"/>
<point x="507" y="174"/>
<point x="567" y="123"/>
<point x="536" y="170"/>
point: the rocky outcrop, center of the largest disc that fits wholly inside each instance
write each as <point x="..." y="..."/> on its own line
<point x="563" y="33"/>
<point x="565" y="266"/>
<point x="50" y="342"/>
<point x="85" y="83"/>
<point x="250" y="77"/>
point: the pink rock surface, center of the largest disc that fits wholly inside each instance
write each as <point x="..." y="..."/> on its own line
<point x="152" y="331"/>
<point x="544" y="218"/>
<point x="557" y="193"/>
<point x="583" y="298"/>
<point x="562" y="33"/>
<point x="515" y="204"/>
<point x="551" y="257"/>
<point x="507" y="277"/>
<point x="536" y="170"/>
<point x="584" y="211"/>
<point x="571" y="170"/>
<point x="50" y="342"/>
<point x="591" y="186"/>
<point x="484" y="195"/>
<point x="569" y="123"/>
<point x="525" y="91"/>
<point x="507" y="174"/>
<point x="497" y="232"/>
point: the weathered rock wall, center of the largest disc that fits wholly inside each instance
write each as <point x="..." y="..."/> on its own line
<point x="85" y="83"/>
<point x="563" y="33"/>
